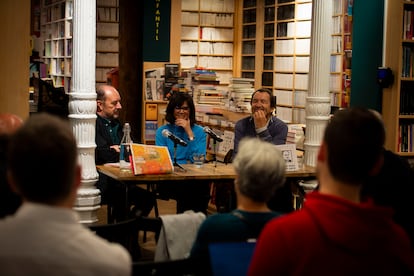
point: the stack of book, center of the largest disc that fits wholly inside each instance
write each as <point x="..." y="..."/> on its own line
<point x="205" y="83"/>
<point x="241" y="90"/>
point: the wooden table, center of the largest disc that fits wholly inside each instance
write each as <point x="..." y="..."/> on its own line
<point x="208" y="171"/>
<point x="220" y="172"/>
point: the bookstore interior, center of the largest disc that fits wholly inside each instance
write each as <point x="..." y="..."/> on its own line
<point x="227" y="49"/>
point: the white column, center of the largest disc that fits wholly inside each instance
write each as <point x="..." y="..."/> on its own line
<point x="82" y="105"/>
<point x="318" y="103"/>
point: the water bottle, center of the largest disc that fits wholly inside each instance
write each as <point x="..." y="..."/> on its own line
<point x="125" y="156"/>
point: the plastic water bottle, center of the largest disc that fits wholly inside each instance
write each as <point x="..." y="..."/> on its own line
<point x="125" y="156"/>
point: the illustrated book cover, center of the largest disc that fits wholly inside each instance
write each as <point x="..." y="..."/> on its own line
<point x="151" y="159"/>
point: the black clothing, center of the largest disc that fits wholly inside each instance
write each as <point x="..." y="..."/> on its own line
<point x="9" y="201"/>
<point x="394" y="187"/>
<point x="111" y="190"/>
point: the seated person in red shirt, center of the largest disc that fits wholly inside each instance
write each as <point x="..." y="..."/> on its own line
<point x="336" y="232"/>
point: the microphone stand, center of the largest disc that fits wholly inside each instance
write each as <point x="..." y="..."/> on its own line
<point x="215" y="152"/>
<point x="175" y="157"/>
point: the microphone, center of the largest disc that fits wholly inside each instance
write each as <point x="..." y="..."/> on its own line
<point x="166" y="133"/>
<point x="212" y="134"/>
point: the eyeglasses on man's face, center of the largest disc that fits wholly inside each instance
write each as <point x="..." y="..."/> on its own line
<point x="183" y="108"/>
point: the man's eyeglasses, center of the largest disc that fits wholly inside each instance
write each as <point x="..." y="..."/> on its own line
<point x="184" y="108"/>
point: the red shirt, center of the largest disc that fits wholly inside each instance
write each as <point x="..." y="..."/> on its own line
<point x="335" y="236"/>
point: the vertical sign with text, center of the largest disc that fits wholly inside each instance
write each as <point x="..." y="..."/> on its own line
<point x="156" y="39"/>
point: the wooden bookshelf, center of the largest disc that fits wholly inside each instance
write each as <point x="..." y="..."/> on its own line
<point x="275" y="51"/>
<point x="56" y="30"/>
<point x="398" y="108"/>
<point x="341" y="54"/>
<point x="292" y="49"/>
<point x="207" y="36"/>
<point x="107" y="32"/>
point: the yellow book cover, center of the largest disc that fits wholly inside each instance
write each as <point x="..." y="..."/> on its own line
<point x="150" y="159"/>
<point x="151" y="112"/>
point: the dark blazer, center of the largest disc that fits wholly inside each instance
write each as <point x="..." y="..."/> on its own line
<point x="104" y="154"/>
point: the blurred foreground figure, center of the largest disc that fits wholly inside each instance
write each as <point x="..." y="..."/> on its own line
<point x="44" y="236"/>
<point x="9" y="200"/>
<point x="336" y="233"/>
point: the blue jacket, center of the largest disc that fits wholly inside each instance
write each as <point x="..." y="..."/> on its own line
<point x="275" y="133"/>
<point x="184" y="153"/>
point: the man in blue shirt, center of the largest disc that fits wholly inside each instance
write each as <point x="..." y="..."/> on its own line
<point x="262" y="123"/>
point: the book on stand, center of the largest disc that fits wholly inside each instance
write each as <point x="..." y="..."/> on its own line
<point x="151" y="159"/>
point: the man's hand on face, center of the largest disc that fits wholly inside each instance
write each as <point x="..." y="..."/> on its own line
<point x="260" y="119"/>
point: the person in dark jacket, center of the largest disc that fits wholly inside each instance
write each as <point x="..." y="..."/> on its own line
<point x="107" y="138"/>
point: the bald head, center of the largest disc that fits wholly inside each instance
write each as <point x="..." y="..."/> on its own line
<point x="108" y="102"/>
<point x="9" y="123"/>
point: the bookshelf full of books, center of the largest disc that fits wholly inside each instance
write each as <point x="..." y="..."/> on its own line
<point x="207" y="35"/>
<point x="56" y="29"/>
<point x="275" y="51"/>
<point x="292" y="49"/>
<point x="398" y="99"/>
<point x="341" y="53"/>
<point x="107" y="35"/>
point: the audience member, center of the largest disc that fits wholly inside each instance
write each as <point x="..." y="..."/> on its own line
<point x="44" y="237"/>
<point x="335" y="232"/>
<point x="109" y="133"/>
<point x="181" y="121"/>
<point x="260" y="170"/>
<point x="393" y="187"/>
<point x="9" y="201"/>
<point x="262" y="123"/>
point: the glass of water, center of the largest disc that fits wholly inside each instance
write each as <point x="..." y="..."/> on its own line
<point x="198" y="159"/>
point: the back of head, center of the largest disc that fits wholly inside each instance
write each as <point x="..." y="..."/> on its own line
<point x="354" y="138"/>
<point x="9" y="123"/>
<point x="260" y="168"/>
<point x="42" y="159"/>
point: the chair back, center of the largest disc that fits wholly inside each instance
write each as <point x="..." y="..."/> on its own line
<point x="180" y="267"/>
<point x="177" y="235"/>
<point x="230" y="258"/>
<point x="123" y="232"/>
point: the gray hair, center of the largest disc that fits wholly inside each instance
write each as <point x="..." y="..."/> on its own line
<point x="260" y="168"/>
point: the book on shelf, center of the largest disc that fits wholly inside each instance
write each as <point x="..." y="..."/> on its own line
<point x="151" y="159"/>
<point x="150" y="129"/>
